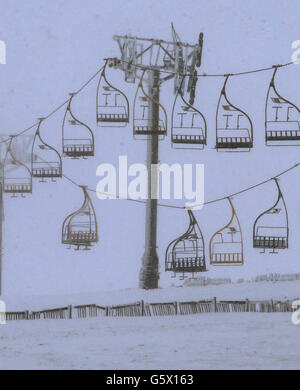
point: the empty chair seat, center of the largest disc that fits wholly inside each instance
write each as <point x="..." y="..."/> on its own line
<point x="45" y="160"/>
<point x="186" y="254"/>
<point x="282" y="118"/>
<point x="226" y="245"/>
<point x="142" y="126"/>
<point x="112" y="105"/>
<point x="77" y="137"/>
<point x="270" y="229"/>
<point x="80" y="228"/>
<point x="188" y="126"/>
<point x="234" y="129"/>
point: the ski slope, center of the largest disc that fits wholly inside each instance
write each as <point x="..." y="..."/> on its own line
<point x="205" y="341"/>
<point x="234" y="291"/>
<point x="202" y="341"/>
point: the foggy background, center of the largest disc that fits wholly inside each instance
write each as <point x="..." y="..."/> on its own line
<point x="54" y="47"/>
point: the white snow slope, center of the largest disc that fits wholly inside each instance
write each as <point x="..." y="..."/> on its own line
<point x="259" y="291"/>
<point x="204" y="341"/>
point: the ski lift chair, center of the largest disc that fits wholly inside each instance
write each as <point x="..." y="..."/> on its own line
<point x="271" y="230"/>
<point x="226" y="245"/>
<point x="186" y="254"/>
<point x="112" y="105"/>
<point x="188" y="127"/>
<point x="17" y="178"/>
<point x="142" y="124"/>
<point x="45" y="160"/>
<point x="80" y="228"/>
<point x="282" y="119"/>
<point x="77" y="137"/>
<point x="234" y="129"/>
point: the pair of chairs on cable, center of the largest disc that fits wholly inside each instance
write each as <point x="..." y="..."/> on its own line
<point x="186" y="254"/>
<point x="45" y="164"/>
<point x="188" y="126"/>
<point x="235" y="129"/>
<point x="112" y="109"/>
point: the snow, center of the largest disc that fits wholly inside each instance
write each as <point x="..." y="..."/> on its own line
<point x="203" y="341"/>
<point x="234" y="291"/>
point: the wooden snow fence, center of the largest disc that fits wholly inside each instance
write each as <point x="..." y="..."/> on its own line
<point x="93" y="310"/>
<point x="161" y="309"/>
<point x="135" y="309"/>
<point x="142" y="309"/>
<point x="195" y="307"/>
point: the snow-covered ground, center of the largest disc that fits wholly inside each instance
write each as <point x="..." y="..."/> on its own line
<point x="259" y="291"/>
<point x="204" y="341"/>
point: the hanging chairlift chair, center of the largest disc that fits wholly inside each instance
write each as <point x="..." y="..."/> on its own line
<point x="282" y="119"/>
<point x="226" y="245"/>
<point x="80" y="228"/>
<point x="112" y="105"/>
<point x="77" y="137"/>
<point x="270" y="229"/>
<point x="186" y="254"/>
<point x="17" y="178"/>
<point x="142" y="124"/>
<point x="234" y="129"/>
<point x="188" y="128"/>
<point x="45" y="160"/>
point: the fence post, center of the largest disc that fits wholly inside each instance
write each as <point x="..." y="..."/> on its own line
<point x="26" y="315"/>
<point x="106" y="310"/>
<point x="247" y="304"/>
<point x="176" y="307"/>
<point x="272" y="305"/>
<point x="70" y="312"/>
<point x="142" y="307"/>
<point x="214" y="305"/>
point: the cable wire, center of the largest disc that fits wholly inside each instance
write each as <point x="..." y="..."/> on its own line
<point x="112" y="196"/>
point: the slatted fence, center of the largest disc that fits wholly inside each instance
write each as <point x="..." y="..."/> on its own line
<point x="141" y="308"/>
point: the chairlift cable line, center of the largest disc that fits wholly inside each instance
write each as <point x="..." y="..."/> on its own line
<point x="56" y="109"/>
<point x="191" y="207"/>
<point x="163" y="71"/>
<point x="217" y="74"/>
<point x="162" y="204"/>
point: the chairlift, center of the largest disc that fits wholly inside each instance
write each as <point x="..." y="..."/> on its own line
<point x="17" y="178"/>
<point x="282" y="119"/>
<point x="80" y="228"/>
<point x="186" y="254"/>
<point x="234" y="129"/>
<point x="45" y="160"/>
<point x="226" y="245"/>
<point x="77" y="137"/>
<point x="188" y="127"/>
<point x="142" y="123"/>
<point x="271" y="230"/>
<point x="112" y="105"/>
